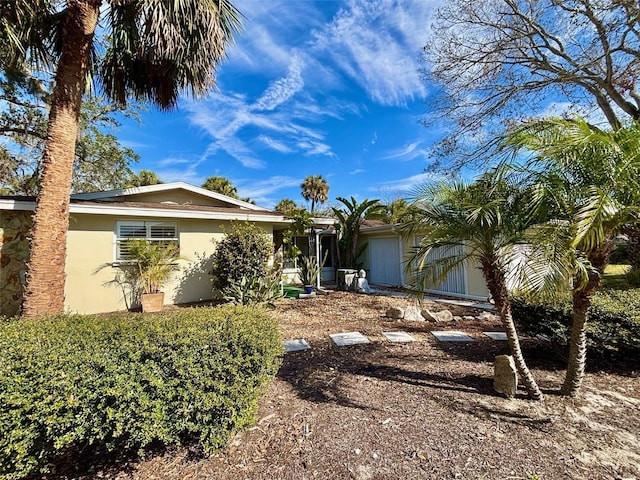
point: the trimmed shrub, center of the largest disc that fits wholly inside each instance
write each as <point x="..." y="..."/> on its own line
<point x="613" y="321"/>
<point x="243" y="252"/>
<point x="74" y="384"/>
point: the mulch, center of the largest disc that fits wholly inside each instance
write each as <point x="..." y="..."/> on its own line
<point x="421" y="410"/>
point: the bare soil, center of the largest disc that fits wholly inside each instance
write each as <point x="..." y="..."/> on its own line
<point x="421" y="410"/>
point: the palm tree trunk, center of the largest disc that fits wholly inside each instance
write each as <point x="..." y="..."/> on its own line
<point x="44" y="292"/>
<point x="577" y="344"/>
<point x="498" y="288"/>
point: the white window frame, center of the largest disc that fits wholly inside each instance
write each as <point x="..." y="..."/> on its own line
<point x="148" y="235"/>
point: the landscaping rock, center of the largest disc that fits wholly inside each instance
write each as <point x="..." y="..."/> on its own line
<point x="505" y="375"/>
<point x="413" y="314"/>
<point x="395" y="312"/>
<point x="488" y="316"/>
<point x="443" y="316"/>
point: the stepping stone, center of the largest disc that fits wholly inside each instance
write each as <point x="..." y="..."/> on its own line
<point x="296" y="345"/>
<point x="452" y="336"/>
<point x="349" y="338"/>
<point x="501" y="336"/>
<point x="398" y="337"/>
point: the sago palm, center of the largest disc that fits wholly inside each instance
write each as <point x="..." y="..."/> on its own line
<point x="587" y="190"/>
<point x="479" y="223"/>
<point x="151" y="51"/>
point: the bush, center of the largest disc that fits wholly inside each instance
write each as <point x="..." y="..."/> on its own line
<point x="243" y="252"/>
<point x="613" y="321"/>
<point x="253" y="291"/>
<point x="70" y="385"/>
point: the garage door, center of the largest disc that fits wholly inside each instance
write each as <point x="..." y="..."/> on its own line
<point x="385" y="261"/>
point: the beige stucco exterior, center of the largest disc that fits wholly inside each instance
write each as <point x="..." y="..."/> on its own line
<point x="475" y="286"/>
<point x="91" y="268"/>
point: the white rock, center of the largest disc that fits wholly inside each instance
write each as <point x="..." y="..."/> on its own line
<point x="443" y="316"/>
<point x="413" y="314"/>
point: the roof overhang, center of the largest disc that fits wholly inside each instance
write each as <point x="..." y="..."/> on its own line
<point x="115" y="209"/>
<point x="163" y="187"/>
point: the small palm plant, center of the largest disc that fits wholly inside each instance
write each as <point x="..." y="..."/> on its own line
<point x="153" y="263"/>
<point x="587" y="186"/>
<point x="481" y="222"/>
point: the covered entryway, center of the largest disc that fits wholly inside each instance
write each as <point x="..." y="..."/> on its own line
<point x="385" y="261"/>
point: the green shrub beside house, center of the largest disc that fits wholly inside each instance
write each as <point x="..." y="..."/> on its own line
<point x="72" y="384"/>
<point x="613" y="320"/>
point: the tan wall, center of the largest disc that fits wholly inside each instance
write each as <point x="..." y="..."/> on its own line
<point x="178" y="196"/>
<point x="90" y="286"/>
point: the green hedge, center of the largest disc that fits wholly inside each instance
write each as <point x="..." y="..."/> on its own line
<point x="123" y="382"/>
<point x="613" y="321"/>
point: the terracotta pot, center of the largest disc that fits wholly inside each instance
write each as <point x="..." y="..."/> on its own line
<point x="152" y="302"/>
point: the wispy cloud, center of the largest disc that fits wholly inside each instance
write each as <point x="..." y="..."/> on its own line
<point x="274" y="144"/>
<point x="405" y="185"/>
<point x="262" y="192"/>
<point x="356" y="171"/>
<point x="370" y="45"/>
<point x="408" y="152"/>
<point x="377" y="44"/>
<point x="282" y="89"/>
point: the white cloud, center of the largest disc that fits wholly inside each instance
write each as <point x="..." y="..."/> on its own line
<point x="408" y="152"/>
<point x="274" y="144"/>
<point x="356" y="171"/>
<point x="262" y="192"/>
<point x="377" y="44"/>
<point x="405" y="184"/>
<point x="282" y="89"/>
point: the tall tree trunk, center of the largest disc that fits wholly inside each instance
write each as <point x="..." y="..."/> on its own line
<point x="599" y="259"/>
<point x="577" y="343"/>
<point x="498" y="288"/>
<point x="44" y="292"/>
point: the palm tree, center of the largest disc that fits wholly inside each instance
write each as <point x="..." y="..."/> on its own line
<point x="286" y="206"/>
<point x="480" y="222"/>
<point x="152" y="51"/>
<point x="142" y="179"/>
<point x="221" y="185"/>
<point x="316" y="189"/>
<point x="587" y="190"/>
<point x="349" y="219"/>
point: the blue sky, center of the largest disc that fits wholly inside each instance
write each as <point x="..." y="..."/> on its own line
<point x="310" y="88"/>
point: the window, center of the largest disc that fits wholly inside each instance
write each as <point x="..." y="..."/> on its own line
<point x="301" y="243"/>
<point x="164" y="232"/>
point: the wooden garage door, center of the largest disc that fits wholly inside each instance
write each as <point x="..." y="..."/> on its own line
<point x="385" y="262"/>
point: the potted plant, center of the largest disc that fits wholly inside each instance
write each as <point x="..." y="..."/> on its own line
<point x="153" y="264"/>
<point x="309" y="271"/>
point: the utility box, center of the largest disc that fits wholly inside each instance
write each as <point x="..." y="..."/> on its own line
<point x="346" y="279"/>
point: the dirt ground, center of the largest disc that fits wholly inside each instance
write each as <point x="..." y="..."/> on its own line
<point x="421" y="410"/>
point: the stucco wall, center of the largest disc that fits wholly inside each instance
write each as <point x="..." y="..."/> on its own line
<point x="475" y="284"/>
<point x="90" y="285"/>
<point x="14" y="253"/>
<point x="177" y="196"/>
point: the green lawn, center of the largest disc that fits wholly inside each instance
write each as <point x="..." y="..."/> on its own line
<point x="615" y="277"/>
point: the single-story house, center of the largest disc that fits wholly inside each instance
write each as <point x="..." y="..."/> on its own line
<point x="384" y="260"/>
<point x="99" y="222"/>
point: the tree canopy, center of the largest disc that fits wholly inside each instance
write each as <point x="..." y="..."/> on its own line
<point x="315" y="189"/>
<point x="500" y="59"/>
<point x="221" y="185"/>
<point x="101" y="161"/>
